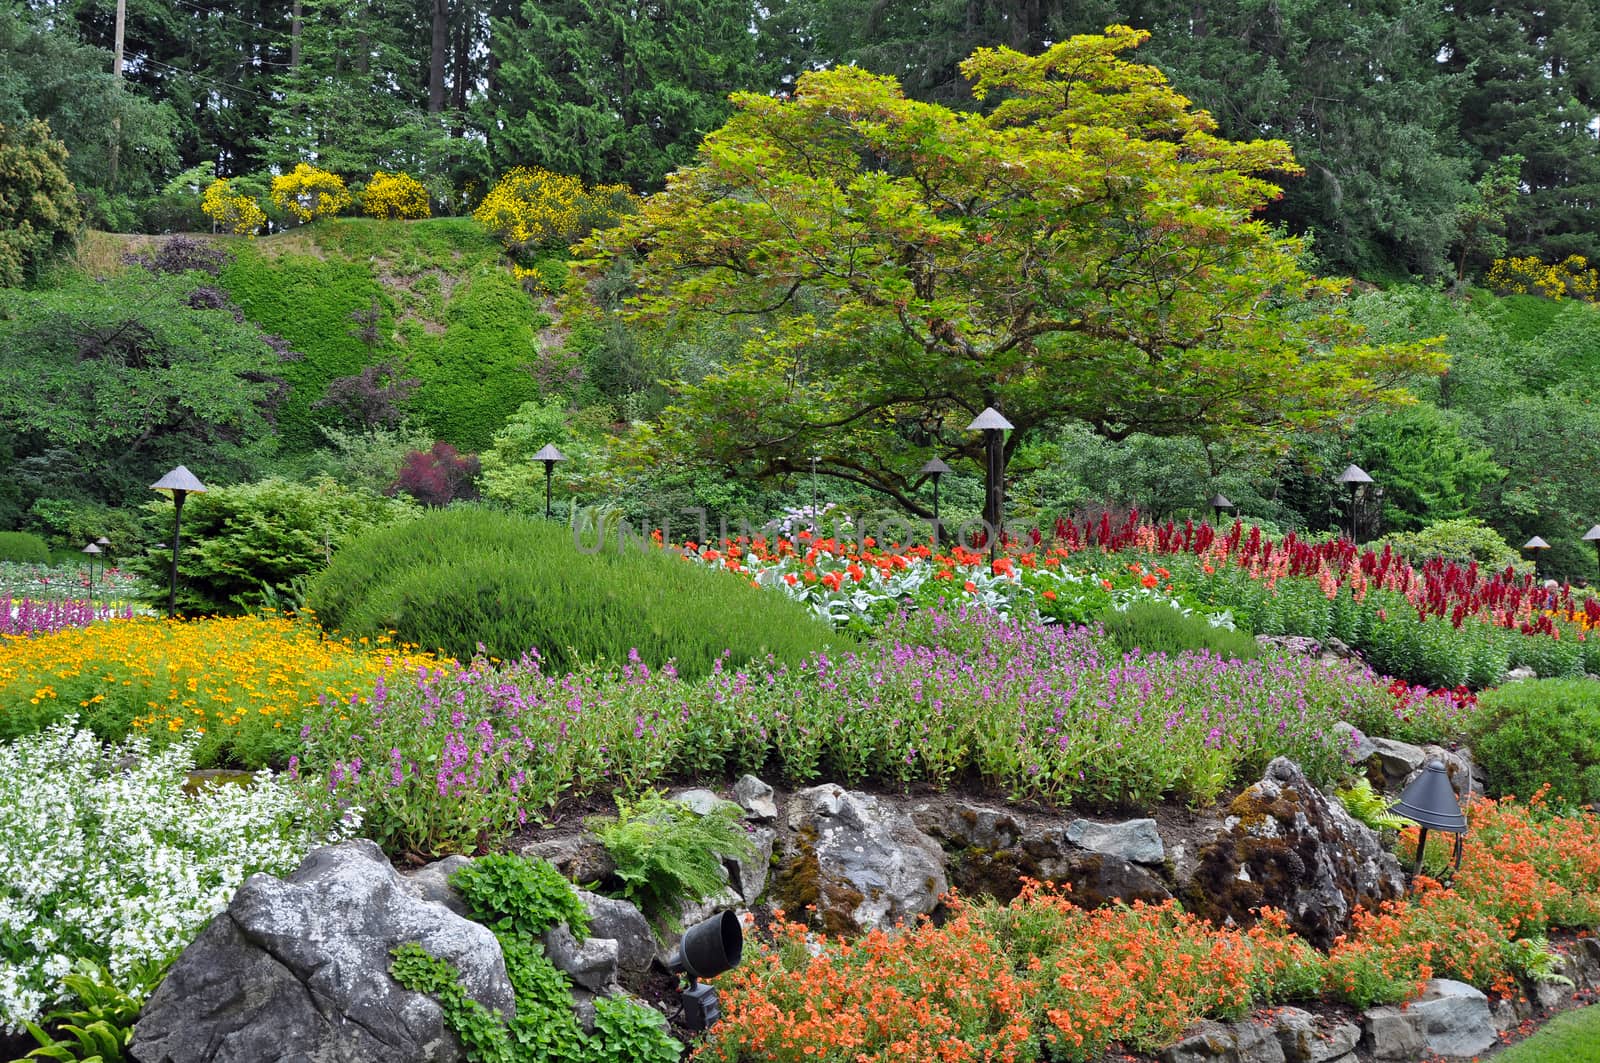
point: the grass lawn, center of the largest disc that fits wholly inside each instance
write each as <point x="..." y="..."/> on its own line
<point x="1570" y="1038"/>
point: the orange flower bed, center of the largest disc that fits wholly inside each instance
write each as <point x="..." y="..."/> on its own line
<point x="1041" y="979"/>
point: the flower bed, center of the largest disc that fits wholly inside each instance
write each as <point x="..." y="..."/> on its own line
<point x="1442" y="623"/>
<point x="44" y="582"/>
<point x="451" y="758"/>
<point x="1041" y="979"/>
<point x="105" y="856"/>
<point x="244" y="684"/>
<point x="36" y="616"/>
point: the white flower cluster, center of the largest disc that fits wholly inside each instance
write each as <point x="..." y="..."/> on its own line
<point x="103" y="855"/>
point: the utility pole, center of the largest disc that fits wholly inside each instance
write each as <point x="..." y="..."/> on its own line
<point x="116" y="72"/>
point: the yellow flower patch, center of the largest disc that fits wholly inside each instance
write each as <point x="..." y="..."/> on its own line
<point x="247" y="683"/>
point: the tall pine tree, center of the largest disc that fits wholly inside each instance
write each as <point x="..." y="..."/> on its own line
<point x="617" y="90"/>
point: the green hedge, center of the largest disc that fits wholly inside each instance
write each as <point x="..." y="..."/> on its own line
<point x="308" y="301"/>
<point x="465" y="577"/>
<point x="23" y="547"/>
<point x="480" y="371"/>
<point x="1541" y="731"/>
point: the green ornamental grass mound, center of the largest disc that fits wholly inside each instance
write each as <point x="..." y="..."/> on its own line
<point x="467" y="580"/>
<point x="1157" y="627"/>
<point x="25" y="548"/>
<point x="1541" y="731"/>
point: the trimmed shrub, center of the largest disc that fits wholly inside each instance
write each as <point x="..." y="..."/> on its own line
<point x="1461" y="541"/>
<point x="23" y="547"/>
<point x="254" y="544"/>
<point x="467" y="580"/>
<point x="1538" y="732"/>
<point x="1156" y="627"/>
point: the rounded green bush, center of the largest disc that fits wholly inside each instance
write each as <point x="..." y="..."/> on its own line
<point x="1537" y="732"/>
<point x="1156" y="627"/>
<point x="24" y="547"/>
<point x="466" y="580"/>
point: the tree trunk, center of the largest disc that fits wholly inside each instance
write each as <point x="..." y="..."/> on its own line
<point x="436" y="55"/>
<point x="295" y="23"/>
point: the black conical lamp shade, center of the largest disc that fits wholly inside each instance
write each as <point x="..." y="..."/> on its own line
<point x="1431" y="801"/>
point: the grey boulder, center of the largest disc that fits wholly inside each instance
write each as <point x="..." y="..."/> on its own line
<point x="297" y="970"/>
<point x="859" y="862"/>
<point x="756" y="798"/>
<point x="1454" y="1019"/>
<point x="1135" y="841"/>
<point x="623" y="923"/>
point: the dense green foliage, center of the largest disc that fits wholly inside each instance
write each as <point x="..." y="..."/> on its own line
<point x="509" y="893"/>
<point x="104" y="385"/>
<point x="1538" y="732"/>
<point x="1096" y="278"/>
<point x="258" y="543"/>
<point x="23" y="547"/>
<point x="518" y="900"/>
<point x="1395" y="108"/>
<point x="1157" y="627"/>
<point x="466" y="578"/>
<point x="39" y="213"/>
<point x="119" y="143"/>
<point x="668" y="854"/>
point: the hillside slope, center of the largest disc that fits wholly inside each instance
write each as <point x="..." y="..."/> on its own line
<point x="442" y="304"/>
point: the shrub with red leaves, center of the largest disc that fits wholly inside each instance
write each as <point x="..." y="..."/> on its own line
<point x="438" y="476"/>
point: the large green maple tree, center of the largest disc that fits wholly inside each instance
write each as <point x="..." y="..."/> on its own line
<point x="1087" y="248"/>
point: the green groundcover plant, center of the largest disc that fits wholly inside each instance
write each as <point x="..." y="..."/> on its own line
<point x="105" y="857"/>
<point x="519" y="900"/>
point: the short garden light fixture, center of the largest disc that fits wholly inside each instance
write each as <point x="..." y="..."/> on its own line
<point x="993" y="426"/>
<point x="179" y="483"/>
<point x="1593" y="536"/>
<point x="1354" y="476"/>
<point x="708" y="949"/>
<point x="934" y="468"/>
<point x="1430" y="802"/>
<point x="1218" y="503"/>
<point x="1536" y="546"/>
<point x="549" y="455"/>
<point x="93" y="550"/>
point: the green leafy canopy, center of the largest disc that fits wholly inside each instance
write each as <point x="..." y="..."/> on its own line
<point x="1088" y="248"/>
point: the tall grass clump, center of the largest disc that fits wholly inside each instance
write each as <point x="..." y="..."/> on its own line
<point x="23" y="547"/>
<point x="1161" y="627"/>
<point x="469" y="580"/>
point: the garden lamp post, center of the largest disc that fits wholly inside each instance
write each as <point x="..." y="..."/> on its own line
<point x="993" y="426"/>
<point x="180" y="483"/>
<point x="1354" y="476"/>
<point x="93" y="551"/>
<point x="1536" y="546"/>
<point x="1593" y="536"/>
<point x="549" y="455"/>
<point x="935" y="469"/>
<point x="1430" y="802"/>
<point x="1218" y="503"/>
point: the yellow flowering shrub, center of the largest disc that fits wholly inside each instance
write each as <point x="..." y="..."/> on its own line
<point x="395" y="195"/>
<point x="243" y="683"/>
<point x="531" y="207"/>
<point x="1571" y="278"/>
<point x="234" y="211"/>
<point x="309" y="193"/>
